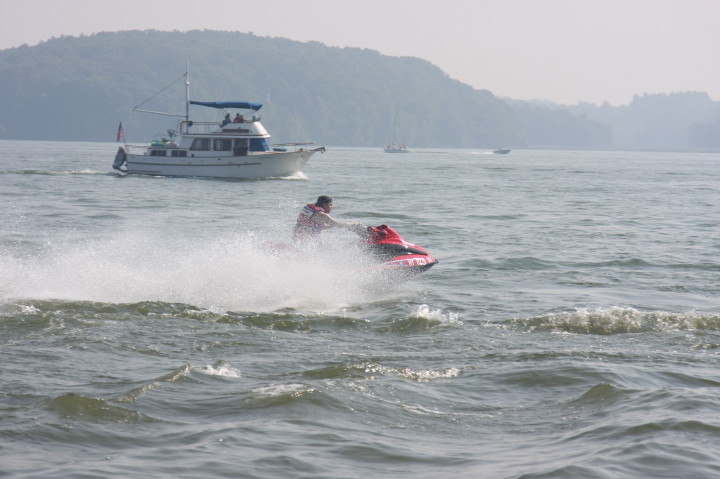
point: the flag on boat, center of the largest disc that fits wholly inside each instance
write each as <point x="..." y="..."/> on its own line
<point x="121" y="133"/>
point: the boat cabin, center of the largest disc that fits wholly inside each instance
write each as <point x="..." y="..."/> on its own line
<point x="207" y="139"/>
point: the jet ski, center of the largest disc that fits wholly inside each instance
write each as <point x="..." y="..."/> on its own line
<point x="395" y="255"/>
<point x="389" y="256"/>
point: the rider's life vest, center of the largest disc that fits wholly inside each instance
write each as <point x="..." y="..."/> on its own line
<point x="305" y="226"/>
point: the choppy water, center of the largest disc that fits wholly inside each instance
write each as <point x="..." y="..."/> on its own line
<point x="570" y="330"/>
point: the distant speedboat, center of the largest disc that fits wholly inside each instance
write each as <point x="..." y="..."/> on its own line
<point x="224" y="149"/>
<point x="501" y="151"/>
<point x="395" y="148"/>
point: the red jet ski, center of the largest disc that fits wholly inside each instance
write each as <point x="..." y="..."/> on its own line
<point x="391" y="257"/>
<point x="395" y="254"/>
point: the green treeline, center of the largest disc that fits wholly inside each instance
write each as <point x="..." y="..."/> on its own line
<point x="80" y="88"/>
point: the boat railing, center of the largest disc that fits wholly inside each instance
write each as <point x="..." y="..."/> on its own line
<point x="131" y="149"/>
<point x="142" y="149"/>
<point x="295" y="146"/>
<point x="208" y="127"/>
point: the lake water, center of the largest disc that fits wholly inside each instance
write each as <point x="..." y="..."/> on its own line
<point x="570" y="330"/>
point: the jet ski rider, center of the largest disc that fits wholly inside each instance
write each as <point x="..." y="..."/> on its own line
<point x="314" y="218"/>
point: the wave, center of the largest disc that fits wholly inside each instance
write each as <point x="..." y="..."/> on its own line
<point x="369" y="370"/>
<point x="524" y="263"/>
<point x="58" y="317"/>
<point x="57" y="173"/>
<point x="601" y="394"/>
<point x="28" y="316"/>
<point x="616" y="320"/>
<point x="82" y="408"/>
<point x="424" y="318"/>
<point x="642" y="263"/>
<point x="222" y="369"/>
<point x="173" y="376"/>
<point x="533" y="263"/>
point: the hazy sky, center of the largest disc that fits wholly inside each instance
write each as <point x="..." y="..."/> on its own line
<point x="560" y="50"/>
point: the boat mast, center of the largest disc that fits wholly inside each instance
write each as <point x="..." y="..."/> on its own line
<point x="187" y="90"/>
<point x="394" y="128"/>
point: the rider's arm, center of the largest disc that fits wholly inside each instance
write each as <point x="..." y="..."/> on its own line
<point x="326" y="219"/>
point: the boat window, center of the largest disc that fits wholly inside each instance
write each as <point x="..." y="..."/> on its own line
<point x="200" y="144"/>
<point x="259" y="144"/>
<point x="179" y="153"/>
<point x="158" y="152"/>
<point x="222" y="144"/>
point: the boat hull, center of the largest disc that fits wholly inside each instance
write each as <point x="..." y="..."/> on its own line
<point x="265" y="165"/>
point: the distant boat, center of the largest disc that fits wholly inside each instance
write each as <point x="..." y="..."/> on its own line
<point x="395" y="147"/>
<point x="501" y="151"/>
<point x="229" y="149"/>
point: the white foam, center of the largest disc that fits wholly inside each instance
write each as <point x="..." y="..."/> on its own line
<point x="280" y="390"/>
<point x="239" y="271"/>
<point x="424" y="311"/>
<point x="223" y="370"/>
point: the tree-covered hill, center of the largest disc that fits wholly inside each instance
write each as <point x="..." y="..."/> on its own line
<point x="681" y="120"/>
<point x="79" y="88"/>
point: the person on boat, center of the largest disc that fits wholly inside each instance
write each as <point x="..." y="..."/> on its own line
<point x="238" y="118"/>
<point x="226" y="120"/>
<point x="315" y="218"/>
